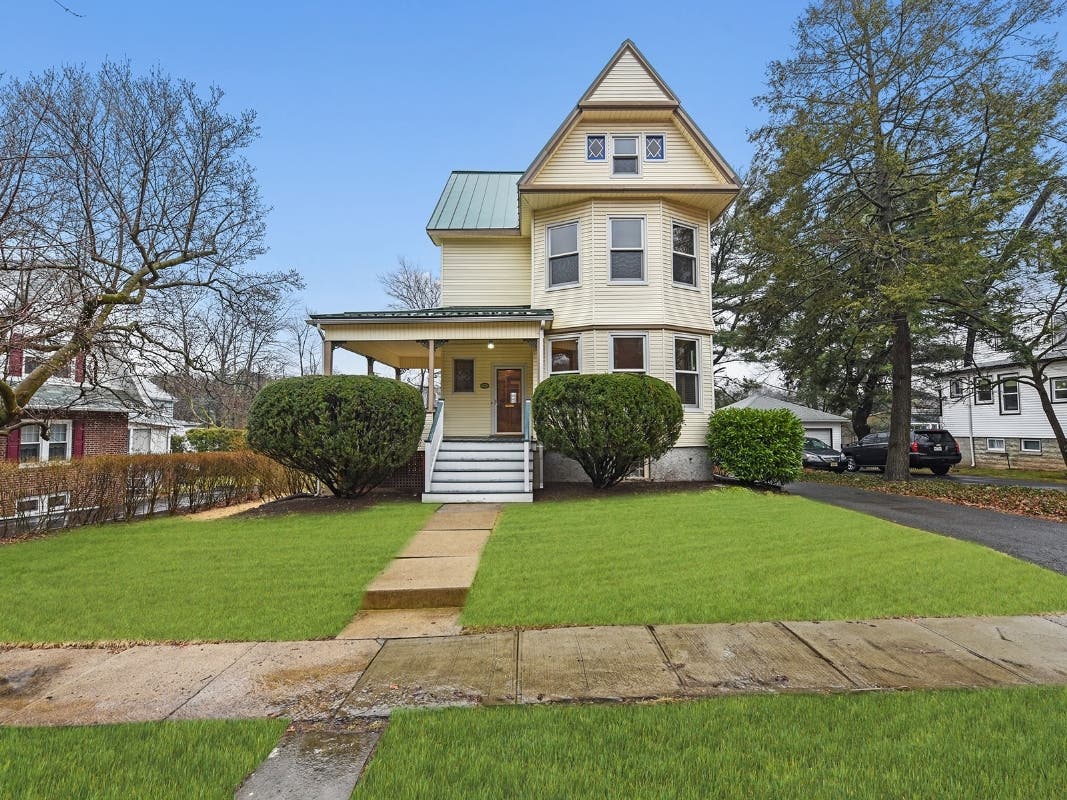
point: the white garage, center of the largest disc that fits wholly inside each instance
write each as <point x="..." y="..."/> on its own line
<point x="817" y="424"/>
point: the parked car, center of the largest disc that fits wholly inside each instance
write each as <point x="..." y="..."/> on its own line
<point x="935" y="450"/>
<point x="819" y="455"/>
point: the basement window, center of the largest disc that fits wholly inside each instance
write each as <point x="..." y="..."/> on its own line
<point x="1031" y="446"/>
<point x="994" y="445"/>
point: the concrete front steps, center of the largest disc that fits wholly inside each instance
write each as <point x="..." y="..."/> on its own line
<point x="487" y="471"/>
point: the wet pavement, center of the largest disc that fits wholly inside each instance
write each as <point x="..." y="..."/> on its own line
<point x="341" y="682"/>
<point x="1038" y="541"/>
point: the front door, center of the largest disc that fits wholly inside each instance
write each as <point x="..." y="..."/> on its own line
<point x="509" y="400"/>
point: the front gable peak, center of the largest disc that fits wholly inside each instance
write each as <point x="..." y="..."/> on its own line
<point x="628" y="78"/>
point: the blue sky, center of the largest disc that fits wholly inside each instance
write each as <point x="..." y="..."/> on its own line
<point x="365" y="107"/>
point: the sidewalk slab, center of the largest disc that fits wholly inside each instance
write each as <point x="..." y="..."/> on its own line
<point x="462" y="520"/>
<point x="1059" y="620"/>
<point x="1033" y="647"/>
<point x="29" y="675"/>
<point x="747" y="657"/>
<point x="299" y="680"/>
<point x="142" y="684"/>
<point x="403" y="623"/>
<point x="422" y="583"/>
<point x="602" y="663"/>
<point x="450" y="671"/>
<point x="313" y="763"/>
<point x="428" y="544"/>
<point x="899" y="654"/>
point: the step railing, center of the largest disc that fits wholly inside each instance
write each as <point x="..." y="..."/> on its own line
<point x="527" y="435"/>
<point x="433" y="441"/>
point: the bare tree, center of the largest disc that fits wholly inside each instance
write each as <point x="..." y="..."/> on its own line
<point x="116" y="192"/>
<point x="411" y="287"/>
<point x="303" y="344"/>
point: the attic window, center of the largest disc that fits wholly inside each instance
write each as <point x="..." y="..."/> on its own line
<point x="595" y="149"/>
<point x="654" y="147"/>
<point x="624" y="155"/>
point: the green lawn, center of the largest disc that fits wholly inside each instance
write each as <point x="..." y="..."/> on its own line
<point x="734" y="555"/>
<point x="278" y="578"/>
<point x="160" y="760"/>
<point x="1015" y="474"/>
<point x="1004" y="743"/>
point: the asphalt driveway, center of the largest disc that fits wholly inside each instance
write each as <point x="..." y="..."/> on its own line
<point x="1039" y="541"/>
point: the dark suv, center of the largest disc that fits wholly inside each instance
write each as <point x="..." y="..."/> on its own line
<point x="935" y="449"/>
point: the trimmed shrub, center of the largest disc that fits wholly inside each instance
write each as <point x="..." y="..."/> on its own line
<point x="178" y="443"/>
<point x="217" y="440"/>
<point x="349" y="431"/>
<point x="756" y="445"/>
<point x="607" y="423"/>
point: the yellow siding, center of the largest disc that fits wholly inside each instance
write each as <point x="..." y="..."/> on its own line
<point x="683" y="164"/>
<point x="471" y="414"/>
<point x="485" y="272"/>
<point x="573" y="305"/>
<point x="628" y="81"/>
<point x="688" y="307"/>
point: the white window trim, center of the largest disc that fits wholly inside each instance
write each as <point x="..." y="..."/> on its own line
<point x="69" y="443"/>
<point x="67" y="380"/>
<point x="1028" y="450"/>
<point x="628" y="335"/>
<point x="604" y="157"/>
<point x="644" y="143"/>
<point x="695" y="285"/>
<point x="129" y="439"/>
<point x="699" y="372"/>
<point x="1007" y="376"/>
<point x="639" y="142"/>
<point x="644" y="253"/>
<point x="576" y="337"/>
<point x="991" y="449"/>
<point x="955" y="388"/>
<point x="1052" y="388"/>
<point x="549" y="286"/>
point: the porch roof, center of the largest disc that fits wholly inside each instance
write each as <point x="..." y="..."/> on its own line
<point x="449" y="313"/>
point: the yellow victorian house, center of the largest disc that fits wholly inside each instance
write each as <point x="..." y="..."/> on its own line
<point x="595" y="259"/>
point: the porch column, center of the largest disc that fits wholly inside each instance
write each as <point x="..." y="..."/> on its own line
<point x="431" y="394"/>
<point x="370" y="365"/>
<point x="327" y="357"/>
<point x="540" y="356"/>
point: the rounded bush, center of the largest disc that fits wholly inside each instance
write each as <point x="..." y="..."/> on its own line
<point x="607" y="423"/>
<point x="217" y="440"/>
<point x="349" y="431"/>
<point x="757" y="445"/>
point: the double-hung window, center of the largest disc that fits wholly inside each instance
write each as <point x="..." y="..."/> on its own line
<point x="1009" y="395"/>
<point x="33" y="447"/>
<point x="563" y="268"/>
<point x="629" y="352"/>
<point x="983" y="392"/>
<point x="32" y="361"/>
<point x="626" y="242"/>
<point x="687" y="371"/>
<point x="624" y="159"/>
<point x="1057" y="390"/>
<point x="684" y="247"/>
<point x="563" y="355"/>
<point x="955" y="387"/>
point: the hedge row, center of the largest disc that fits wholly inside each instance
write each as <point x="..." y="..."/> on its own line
<point x="108" y="488"/>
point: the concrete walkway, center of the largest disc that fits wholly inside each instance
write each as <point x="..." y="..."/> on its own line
<point x="342" y="681"/>
<point x="422" y="591"/>
<point x="1039" y="541"/>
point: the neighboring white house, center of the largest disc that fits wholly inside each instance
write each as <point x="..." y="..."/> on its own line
<point x="817" y="424"/>
<point x="997" y="419"/>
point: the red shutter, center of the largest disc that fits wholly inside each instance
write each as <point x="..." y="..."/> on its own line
<point x="14" y="363"/>
<point x="78" y="439"/>
<point x="13" y="440"/>
<point x="79" y="368"/>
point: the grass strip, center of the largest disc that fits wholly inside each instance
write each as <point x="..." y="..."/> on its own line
<point x="1000" y="743"/>
<point x="158" y="760"/>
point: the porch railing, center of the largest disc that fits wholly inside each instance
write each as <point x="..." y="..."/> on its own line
<point x="527" y="435"/>
<point x="433" y="441"/>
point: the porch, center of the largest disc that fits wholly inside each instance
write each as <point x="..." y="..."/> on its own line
<point x="483" y="365"/>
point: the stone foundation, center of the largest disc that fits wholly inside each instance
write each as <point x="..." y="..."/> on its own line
<point x="679" y="464"/>
<point x="1012" y="457"/>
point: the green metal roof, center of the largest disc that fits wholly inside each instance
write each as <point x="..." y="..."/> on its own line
<point x="446" y="313"/>
<point x="477" y="201"/>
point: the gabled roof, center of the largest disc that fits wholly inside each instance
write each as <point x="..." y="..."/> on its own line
<point x="630" y="58"/>
<point x="804" y="413"/>
<point x="638" y="74"/>
<point x="477" y="201"/>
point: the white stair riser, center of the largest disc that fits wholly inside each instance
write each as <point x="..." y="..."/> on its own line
<point x="476" y="486"/>
<point x="472" y="497"/>
<point x="478" y="466"/>
<point x="459" y="447"/>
